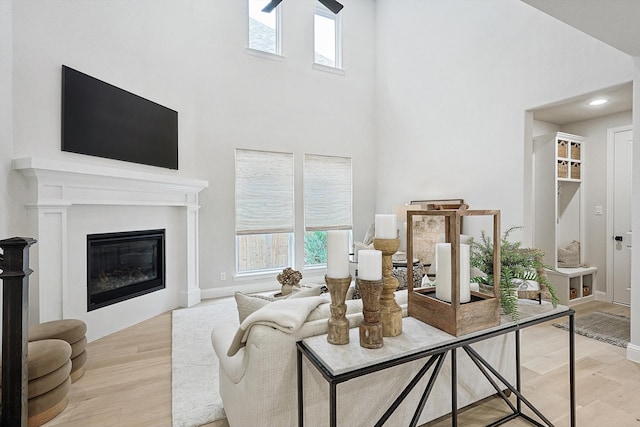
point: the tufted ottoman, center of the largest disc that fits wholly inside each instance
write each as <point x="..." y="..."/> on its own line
<point x="49" y="366"/>
<point x="72" y="331"/>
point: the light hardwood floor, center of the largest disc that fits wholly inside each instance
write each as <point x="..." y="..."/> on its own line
<point x="128" y="380"/>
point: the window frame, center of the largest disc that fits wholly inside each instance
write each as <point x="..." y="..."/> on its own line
<point x="321" y="10"/>
<point x="278" y="33"/>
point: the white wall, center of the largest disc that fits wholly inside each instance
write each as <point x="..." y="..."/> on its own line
<point x="633" y="349"/>
<point x="454" y="81"/>
<point x="6" y="128"/>
<point x="543" y="128"/>
<point x="285" y="106"/>
<point x="191" y="56"/>
<point x="12" y="218"/>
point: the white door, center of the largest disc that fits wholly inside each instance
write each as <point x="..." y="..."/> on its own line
<point x="621" y="239"/>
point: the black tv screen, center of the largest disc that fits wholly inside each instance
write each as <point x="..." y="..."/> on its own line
<point x="102" y="120"/>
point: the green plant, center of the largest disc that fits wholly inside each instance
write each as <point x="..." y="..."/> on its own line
<point x="315" y="247"/>
<point x="516" y="264"/>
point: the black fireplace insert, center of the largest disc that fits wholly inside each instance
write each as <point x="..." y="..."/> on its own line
<point x="124" y="265"/>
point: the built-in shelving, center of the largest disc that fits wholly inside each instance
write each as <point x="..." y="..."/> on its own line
<point x="559" y="211"/>
<point x="568" y="159"/>
<point x="574" y="285"/>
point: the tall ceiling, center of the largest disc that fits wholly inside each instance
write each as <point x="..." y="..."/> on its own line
<point x="614" y="22"/>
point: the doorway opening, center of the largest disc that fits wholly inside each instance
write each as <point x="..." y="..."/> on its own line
<point x="575" y="116"/>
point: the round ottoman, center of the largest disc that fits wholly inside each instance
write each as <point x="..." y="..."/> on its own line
<point x="73" y="331"/>
<point x="49" y="366"/>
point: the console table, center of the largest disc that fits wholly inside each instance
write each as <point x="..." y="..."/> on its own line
<point x="340" y="363"/>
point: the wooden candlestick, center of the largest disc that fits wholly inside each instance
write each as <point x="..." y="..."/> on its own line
<point x="390" y="311"/>
<point x="371" y="326"/>
<point x="338" y="330"/>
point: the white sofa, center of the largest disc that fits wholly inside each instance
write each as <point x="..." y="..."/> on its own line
<point x="258" y="383"/>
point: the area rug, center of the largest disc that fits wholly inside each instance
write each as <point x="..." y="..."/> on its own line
<point x="194" y="365"/>
<point x="607" y="327"/>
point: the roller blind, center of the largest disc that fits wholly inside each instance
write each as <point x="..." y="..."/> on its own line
<point x="327" y="193"/>
<point x="264" y="192"/>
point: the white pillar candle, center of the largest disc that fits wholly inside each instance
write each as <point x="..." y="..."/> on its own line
<point x="338" y="254"/>
<point x="385" y="225"/>
<point x="465" y="273"/>
<point x="443" y="272"/>
<point x="370" y="264"/>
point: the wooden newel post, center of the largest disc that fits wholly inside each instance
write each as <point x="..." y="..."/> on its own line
<point x="15" y="323"/>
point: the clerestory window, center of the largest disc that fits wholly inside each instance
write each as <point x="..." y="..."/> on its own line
<point x="327" y="37"/>
<point x="264" y="28"/>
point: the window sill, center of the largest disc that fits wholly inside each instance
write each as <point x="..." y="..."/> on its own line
<point x="315" y="269"/>
<point x="272" y="274"/>
<point x="327" y="69"/>
<point x="265" y="55"/>
<point x="257" y="275"/>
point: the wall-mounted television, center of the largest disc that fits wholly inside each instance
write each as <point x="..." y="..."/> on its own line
<point x="99" y="119"/>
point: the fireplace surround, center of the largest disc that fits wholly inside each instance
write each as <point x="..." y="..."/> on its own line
<point x="67" y="200"/>
<point x="124" y="265"/>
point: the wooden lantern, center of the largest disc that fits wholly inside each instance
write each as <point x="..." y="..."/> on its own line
<point x="483" y="311"/>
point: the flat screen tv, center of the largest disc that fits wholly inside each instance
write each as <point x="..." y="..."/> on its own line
<point x="99" y="119"/>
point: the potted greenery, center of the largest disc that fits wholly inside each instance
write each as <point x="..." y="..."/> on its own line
<point x="517" y="265"/>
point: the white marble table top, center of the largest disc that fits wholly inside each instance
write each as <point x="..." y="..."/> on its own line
<point x="416" y="336"/>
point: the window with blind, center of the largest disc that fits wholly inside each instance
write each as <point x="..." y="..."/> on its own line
<point x="264" y="210"/>
<point x="327" y="202"/>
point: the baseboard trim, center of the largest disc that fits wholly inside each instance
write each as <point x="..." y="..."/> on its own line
<point x="633" y="352"/>
<point x="190" y="298"/>
<point x="601" y="296"/>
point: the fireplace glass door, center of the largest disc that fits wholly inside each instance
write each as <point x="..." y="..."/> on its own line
<point x="124" y="265"/>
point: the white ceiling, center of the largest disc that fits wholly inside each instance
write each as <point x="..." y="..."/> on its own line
<point x="578" y="109"/>
<point x="614" y="22"/>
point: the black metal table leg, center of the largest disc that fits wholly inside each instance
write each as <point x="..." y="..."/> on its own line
<point x="572" y="368"/>
<point x="333" y="422"/>
<point x="300" y="390"/>
<point x="454" y="388"/>
<point x="518" y="372"/>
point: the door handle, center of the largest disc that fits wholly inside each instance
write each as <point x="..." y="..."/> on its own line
<point x="617" y="238"/>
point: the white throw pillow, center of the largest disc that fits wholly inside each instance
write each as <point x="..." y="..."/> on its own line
<point x="247" y="304"/>
<point x="313" y="291"/>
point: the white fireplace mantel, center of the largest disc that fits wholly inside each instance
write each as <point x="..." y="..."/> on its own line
<point x="67" y="183"/>
<point x="55" y="186"/>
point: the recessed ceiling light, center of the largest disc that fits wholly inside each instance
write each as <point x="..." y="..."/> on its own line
<point x="598" y="102"/>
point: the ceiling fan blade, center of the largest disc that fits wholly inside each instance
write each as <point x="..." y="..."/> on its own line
<point x="271" y="5"/>
<point x="332" y="5"/>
